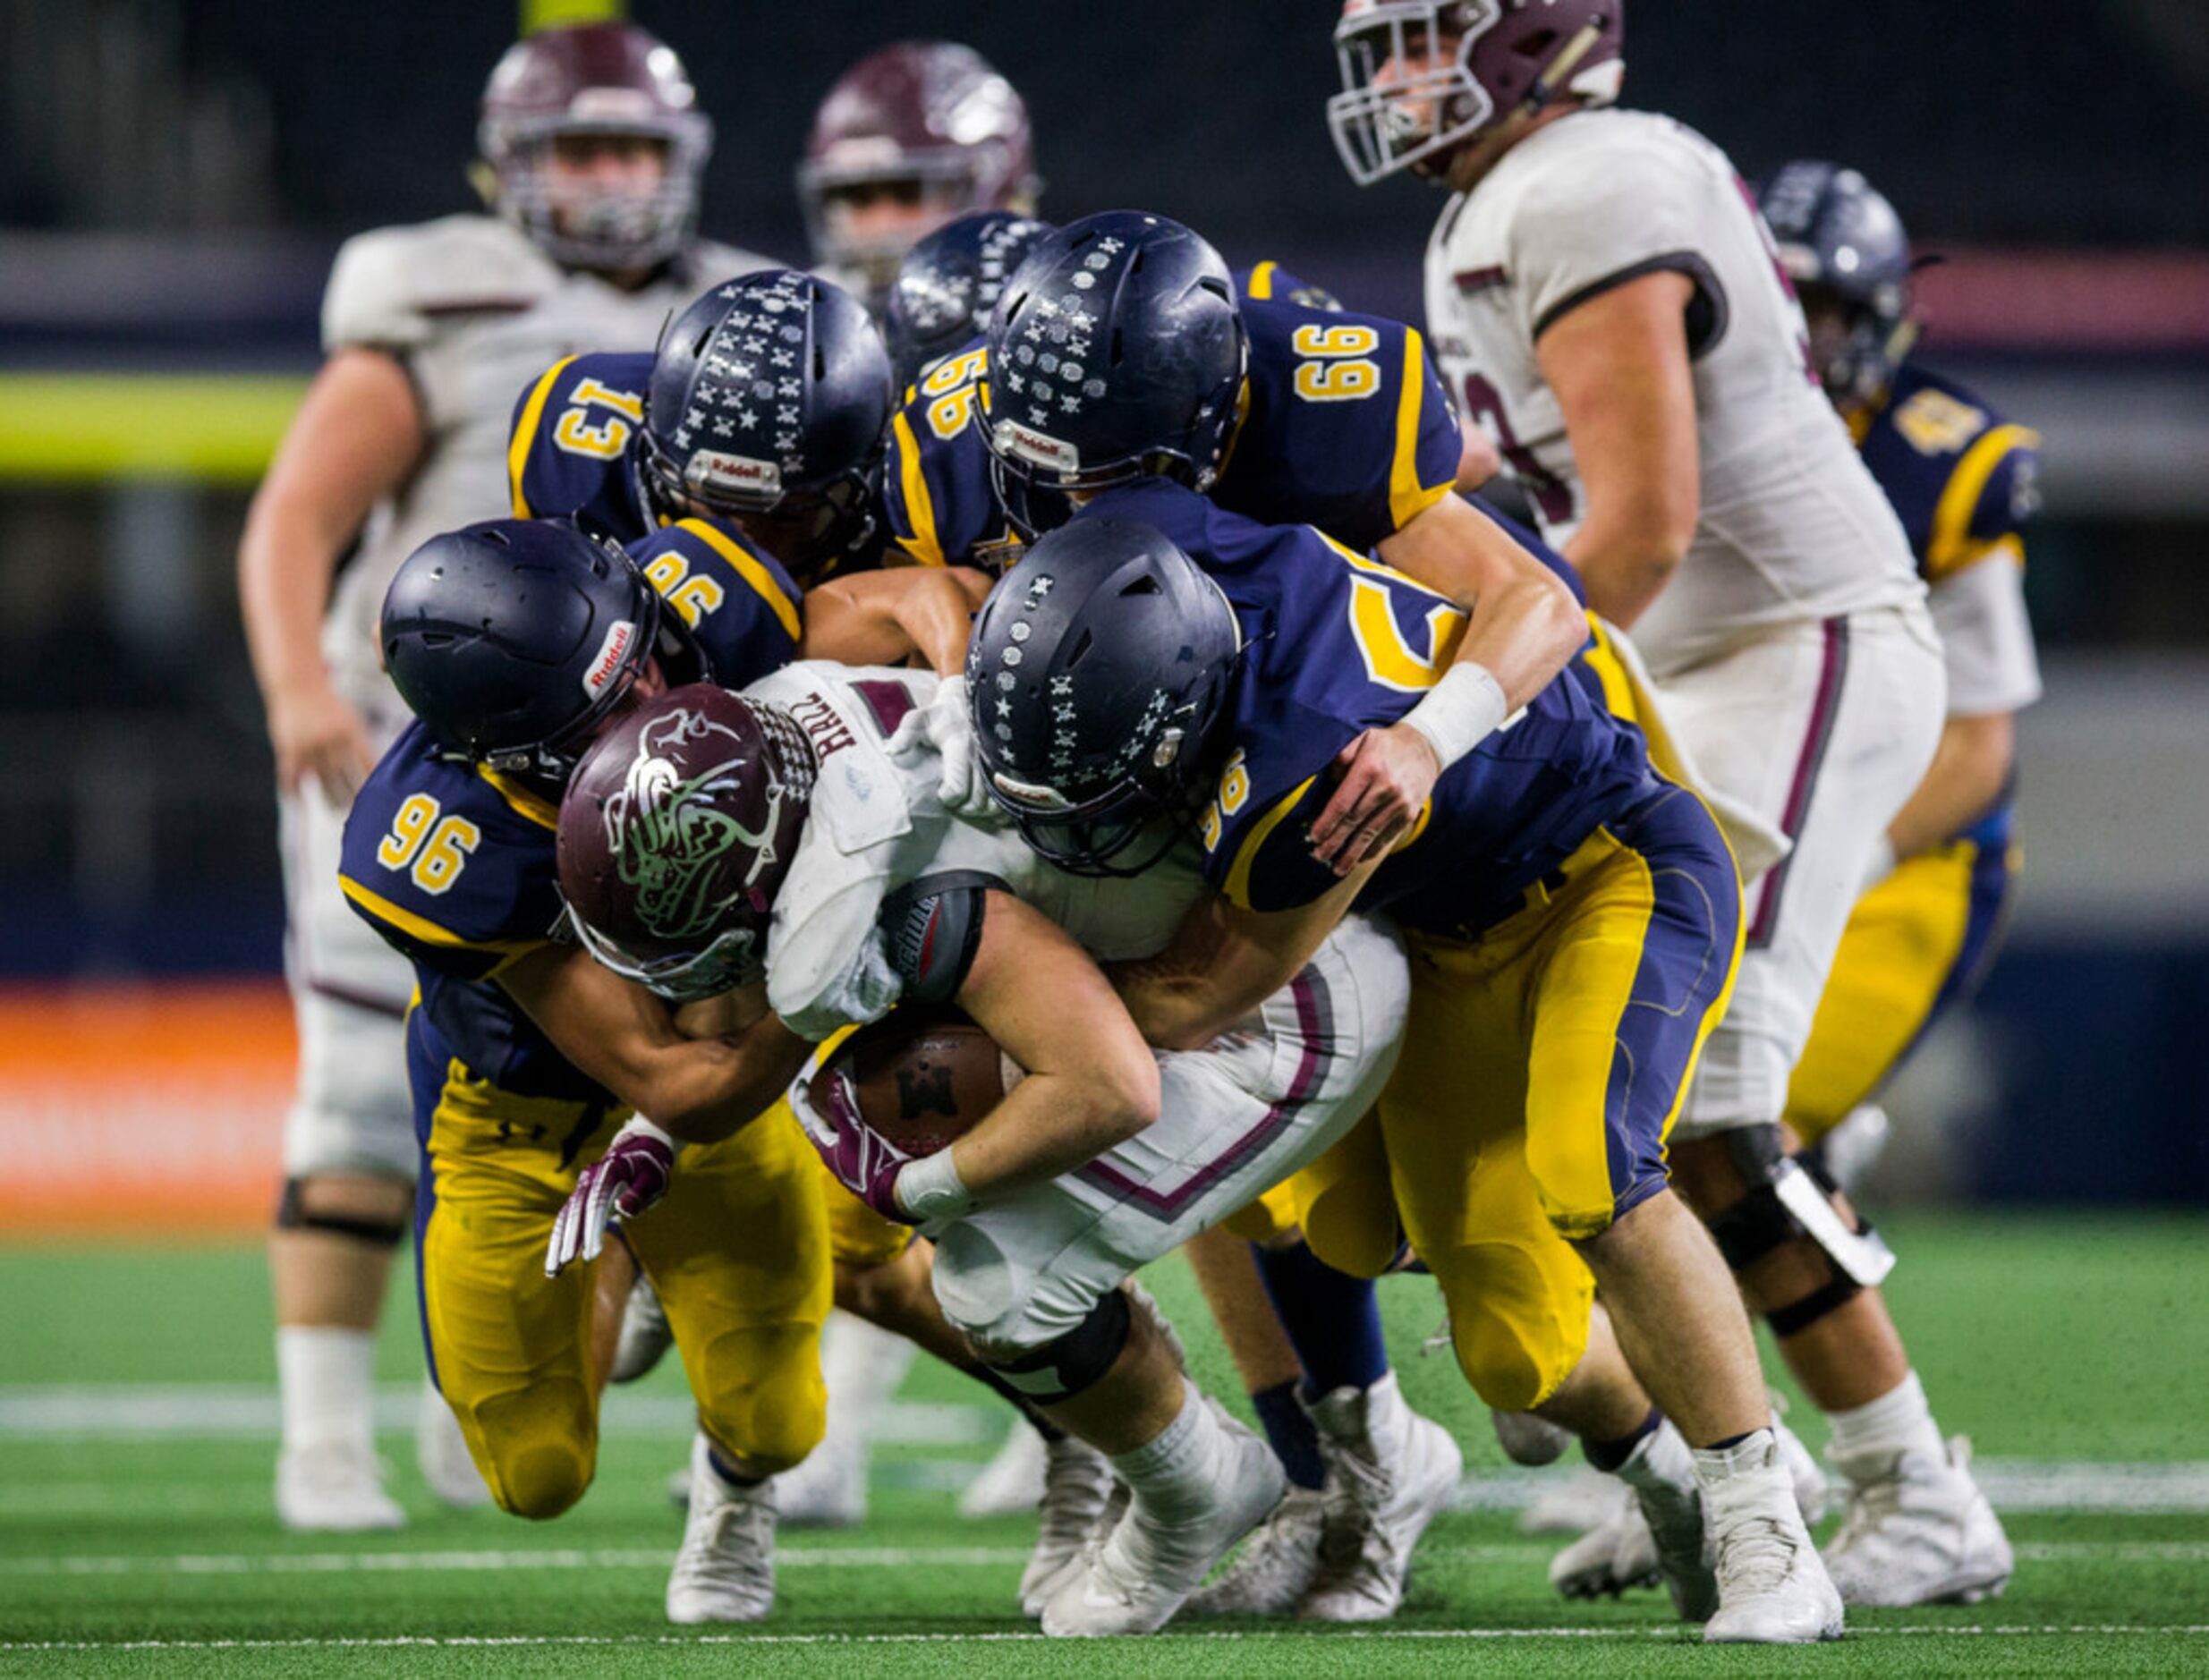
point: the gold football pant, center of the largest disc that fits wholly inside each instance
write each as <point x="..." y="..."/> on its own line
<point x="738" y="1250"/>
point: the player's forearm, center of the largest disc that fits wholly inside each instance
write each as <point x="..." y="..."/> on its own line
<point x="1970" y="768"/>
<point x="285" y="564"/>
<point x="702" y="1091"/>
<point x="883" y="617"/>
<point x="1051" y="1123"/>
<point x="1625" y="557"/>
<point x="1523" y="623"/>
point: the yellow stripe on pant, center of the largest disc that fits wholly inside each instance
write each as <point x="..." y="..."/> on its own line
<point x="738" y="1250"/>
<point x="1525" y="1050"/>
<point x="1904" y="940"/>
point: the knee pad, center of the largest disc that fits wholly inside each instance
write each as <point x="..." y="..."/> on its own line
<point x="1789" y="1197"/>
<point x="1077" y="1361"/>
<point x="537" y="1458"/>
<point x="291" y="1216"/>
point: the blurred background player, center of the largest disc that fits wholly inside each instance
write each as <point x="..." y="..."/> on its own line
<point x="1964" y="479"/>
<point x="1606" y="297"/>
<point x="592" y="147"/>
<point x="912" y="135"/>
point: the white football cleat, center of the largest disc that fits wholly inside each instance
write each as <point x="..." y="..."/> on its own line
<point x="645" y="1336"/>
<point x="1078" y="1486"/>
<point x="1145" y="1569"/>
<point x="1389" y="1471"/>
<point x="1577" y="1502"/>
<point x="441" y="1454"/>
<point x="1529" y="1440"/>
<point x="1772" y="1587"/>
<point x="1918" y="1530"/>
<point x="726" y="1569"/>
<point x="1277" y="1564"/>
<point x="1814" y="1494"/>
<point x="1659" y="1535"/>
<point x="1012" y="1481"/>
<point x="329" y="1489"/>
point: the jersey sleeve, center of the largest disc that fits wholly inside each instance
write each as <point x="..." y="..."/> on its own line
<point x="1986" y="638"/>
<point x="742" y="605"/>
<point x="1989" y="499"/>
<point x="1259" y="855"/>
<point x="371" y="302"/>
<point x="1267" y="280"/>
<point x="573" y="425"/>
<point x="1584" y="231"/>
<point x="938" y="500"/>
<point x="458" y="879"/>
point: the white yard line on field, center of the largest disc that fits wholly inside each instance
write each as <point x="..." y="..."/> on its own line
<point x="1672" y="1635"/>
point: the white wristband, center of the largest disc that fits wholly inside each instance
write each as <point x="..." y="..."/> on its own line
<point x="931" y="1189"/>
<point x="639" y="1123"/>
<point x="1460" y="711"/>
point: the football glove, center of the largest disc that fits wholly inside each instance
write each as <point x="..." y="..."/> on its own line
<point x="622" y="1183"/>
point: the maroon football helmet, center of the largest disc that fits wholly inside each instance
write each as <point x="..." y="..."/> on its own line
<point x="595" y="78"/>
<point x="928" y="126"/>
<point x="676" y="831"/>
<point x="1421" y="78"/>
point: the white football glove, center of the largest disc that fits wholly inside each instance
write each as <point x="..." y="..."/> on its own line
<point x="944" y="728"/>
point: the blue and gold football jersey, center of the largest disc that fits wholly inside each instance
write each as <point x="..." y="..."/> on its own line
<point x="1344" y="425"/>
<point x="1963" y="478"/>
<point x="574" y="426"/>
<point x="453" y="863"/>
<point x="1335" y="643"/>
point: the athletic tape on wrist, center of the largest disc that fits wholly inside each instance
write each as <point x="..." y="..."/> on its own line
<point x="1460" y="711"/>
<point x="931" y="1188"/>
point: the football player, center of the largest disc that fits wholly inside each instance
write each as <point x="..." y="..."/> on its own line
<point x="830" y="868"/>
<point x="1575" y="924"/>
<point x="911" y="136"/>
<point x="515" y="642"/>
<point x="1964" y="479"/>
<point x="593" y="145"/>
<point x="1299" y="414"/>
<point x="1602" y="291"/>
<point x="947" y="285"/>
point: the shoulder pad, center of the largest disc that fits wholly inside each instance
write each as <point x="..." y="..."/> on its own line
<point x="392" y="288"/>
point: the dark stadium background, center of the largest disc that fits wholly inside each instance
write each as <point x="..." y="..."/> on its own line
<point x="175" y="175"/>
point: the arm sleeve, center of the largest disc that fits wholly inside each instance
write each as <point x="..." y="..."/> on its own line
<point x="1429" y="442"/>
<point x="933" y="927"/>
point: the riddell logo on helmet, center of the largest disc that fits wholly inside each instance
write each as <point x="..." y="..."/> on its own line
<point x="1040" y="448"/>
<point x="711" y="469"/>
<point x="612" y="654"/>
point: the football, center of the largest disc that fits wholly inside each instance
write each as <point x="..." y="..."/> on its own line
<point x="922" y="1077"/>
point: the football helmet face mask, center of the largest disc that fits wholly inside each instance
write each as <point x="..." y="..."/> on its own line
<point x="1847" y="251"/>
<point x="1423" y="79"/>
<point x="948" y="284"/>
<point x="675" y="833"/>
<point x="1116" y="351"/>
<point x="908" y="137"/>
<point x="595" y="78"/>
<point x="1096" y="678"/>
<point x="513" y="641"/>
<point x="768" y="405"/>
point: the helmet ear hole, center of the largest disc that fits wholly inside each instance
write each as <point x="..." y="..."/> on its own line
<point x="1142" y="586"/>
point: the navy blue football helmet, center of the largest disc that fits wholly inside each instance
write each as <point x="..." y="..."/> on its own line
<point x="1117" y="350"/>
<point x="513" y="639"/>
<point x="1841" y="243"/>
<point x="949" y="283"/>
<point x="1096" y="678"/>
<point x="767" y="406"/>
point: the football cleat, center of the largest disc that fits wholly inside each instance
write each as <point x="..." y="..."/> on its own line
<point x="1772" y="1587"/>
<point x="1918" y="1530"/>
<point x="1078" y="1492"/>
<point x="1527" y="1439"/>
<point x="1146" y="1568"/>
<point x="1389" y="1471"/>
<point x="645" y="1336"/>
<point x="726" y="1569"/>
<point x="329" y="1491"/>
<point x="1658" y="1536"/>
<point x="441" y="1454"/>
<point x="1011" y="1482"/>
<point x="1279" y="1562"/>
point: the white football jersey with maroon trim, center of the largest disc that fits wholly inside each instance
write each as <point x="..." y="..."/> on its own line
<point x="1792" y="527"/>
<point x="875" y="825"/>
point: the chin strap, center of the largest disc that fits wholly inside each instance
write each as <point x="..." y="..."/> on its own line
<point x="1558" y="72"/>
